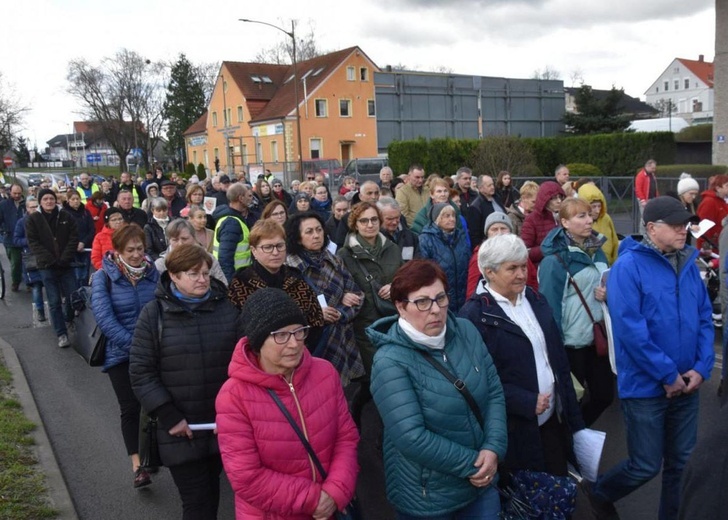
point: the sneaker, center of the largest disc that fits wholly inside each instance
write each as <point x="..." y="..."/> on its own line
<point x="39" y="315"/>
<point x="63" y="341"/>
<point x="141" y="478"/>
<point x="601" y="509"/>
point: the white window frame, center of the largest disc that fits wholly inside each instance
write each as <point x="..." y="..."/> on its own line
<point x="324" y="103"/>
<point x="363" y="74"/>
<point x="320" y="148"/>
<point x="371" y="108"/>
<point x="350" y="74"/>
<point x="214" y="119"/>
<point x="349" y="107"/>
<point x="240" y="113"/>
<point x="274" y="151"/>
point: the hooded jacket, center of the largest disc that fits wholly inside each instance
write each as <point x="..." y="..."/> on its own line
<point x="715" y="209"/>
<point x="452" y="252"/>
<point x="540" y="221"/>
<point x="102" y="243"/>
<point x="268" y="467"/>
<point x="97" y="214"/>
<point x="603" y="224"/>
<point x="513" y="357"/>
<point x="553" y="282"/>
<point x="661" y="320"/>
<point x="431" y="436"/>
<point x="178" y="375"/>
<point x="116" y="305"/>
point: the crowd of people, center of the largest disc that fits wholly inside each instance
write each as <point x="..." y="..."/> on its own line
<point x="463" y="308"/>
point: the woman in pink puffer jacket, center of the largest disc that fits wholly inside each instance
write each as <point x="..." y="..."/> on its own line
<point x="265" y="461"/>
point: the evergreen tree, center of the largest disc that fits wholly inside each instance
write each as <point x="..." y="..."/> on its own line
<point x="21" y="151"/>
<point x="185" y="101"/>
<point x="597" y="116"/>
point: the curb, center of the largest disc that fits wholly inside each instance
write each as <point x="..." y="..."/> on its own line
<point x="58" y="493"/>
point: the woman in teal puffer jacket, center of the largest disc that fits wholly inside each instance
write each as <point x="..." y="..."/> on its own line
<point x="440" y="454"/>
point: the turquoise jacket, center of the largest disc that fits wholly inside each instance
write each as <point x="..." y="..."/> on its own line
<point x="569" y="313"/>
<point x="431" y="436"/>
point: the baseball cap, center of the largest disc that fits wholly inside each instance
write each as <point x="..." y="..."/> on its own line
<point x="224" y="179"/>
<point x="168" y="182"/>
<point x="668" y="210"/>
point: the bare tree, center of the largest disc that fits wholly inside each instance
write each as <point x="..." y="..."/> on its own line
<point x="207" y="74"/>
<point x="442" y="69"/>
<point x="576" y="76"/>
<point x="122" y="96"/>
<point x="548" y="72"/>
<point x="665" y="107"/>
<point x="281" y="53"/>
<point x="11" y="115"/>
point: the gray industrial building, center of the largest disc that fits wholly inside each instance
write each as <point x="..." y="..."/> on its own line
<point x="414" y="104"/>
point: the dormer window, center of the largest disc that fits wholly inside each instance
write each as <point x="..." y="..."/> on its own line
<point x="256" y="79"/>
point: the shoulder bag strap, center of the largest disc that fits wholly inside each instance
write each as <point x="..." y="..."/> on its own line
<point x="576" y="288"/>
<point x="300" y="434"/>
<point x="459" y="384"/>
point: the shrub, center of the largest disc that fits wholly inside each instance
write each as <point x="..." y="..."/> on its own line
<point x="495" y="154"/>
<point x="201" y="172"/>
<point x="189" y="170"/>
<point x="696" y="170"/>
<point x="699" y="133"/>
<point x="583" y="170"/>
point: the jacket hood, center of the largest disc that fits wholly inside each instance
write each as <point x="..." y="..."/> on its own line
<point x="557" y="241"/>
<point x="356" y="248"/>
<point x="151" y="185"/>
<point x="546" y="192"/>
<point x="245" y="366"/>
<point x="164" y="293"/>
<point x="432" y="229"/>
<point x="386" y="331"/>
<point x="710" y="194"/>
<point x="590" y="193"/>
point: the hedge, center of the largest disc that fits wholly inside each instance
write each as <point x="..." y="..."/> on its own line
<point x="696" y="170"/>
<point x="613" y="154"/>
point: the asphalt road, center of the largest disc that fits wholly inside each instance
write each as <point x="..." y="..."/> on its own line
<point x="80" y="414"/>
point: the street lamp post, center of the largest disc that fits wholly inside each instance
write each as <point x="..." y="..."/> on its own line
<point x="292" y="36"/>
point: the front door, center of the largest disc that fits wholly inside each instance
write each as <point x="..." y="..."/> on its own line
<point x="345" y="153"/>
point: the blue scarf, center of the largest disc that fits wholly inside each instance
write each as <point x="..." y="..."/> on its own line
<point x="188" y="299"/>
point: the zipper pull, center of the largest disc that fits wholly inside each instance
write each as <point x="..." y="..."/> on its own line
<point x="444" y="356"/>
<point x="476" y="368"/>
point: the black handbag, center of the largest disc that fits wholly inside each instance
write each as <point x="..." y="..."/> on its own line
<point x="351" y="511"/>
<point x="90" y="342"/>
<point x="29" y="261"/>
<point x="384" y="307"/>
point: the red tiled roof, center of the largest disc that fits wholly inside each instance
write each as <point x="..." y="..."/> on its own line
<point x="702" y="69"/>
<point x="275" y="100"/>
<point x="199" y="126"/>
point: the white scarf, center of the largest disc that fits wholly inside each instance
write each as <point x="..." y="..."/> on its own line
<point x="436" y="342"/>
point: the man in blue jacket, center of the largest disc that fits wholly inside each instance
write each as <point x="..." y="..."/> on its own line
<point x="663" y="344"/>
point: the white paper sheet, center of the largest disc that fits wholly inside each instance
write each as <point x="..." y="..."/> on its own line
<point x="202" y="426"/>
<point x="332" y="247"/>
<point x="408" y="253"/>
<point x="322" y="301"/>
<point x="698" y="230"/>
<point x="588" y="446"/>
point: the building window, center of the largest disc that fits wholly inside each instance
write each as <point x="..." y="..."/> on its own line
<point x="364" y="74"/>
<point x="214" y="119"/>
<point x="677" y="84"/>
<point x="697" y="106"/>
<point x="245" y="155"/>
<point x="322" y="107"/>
<point x="676" y="70"/>
<point x="657" y="89"/>
<point x="229" y="118"/>
<point x="315" y="147"/>
<point x="259" y="152"/>
<point x="687" y="83"/>
<point x="216" y="153"/>
<point x="240" y="114"/>
<point x="194" y="157"/>
<point x="371" y="108"/>
<point x="666" y="85"/>
<point x="274" y="151"/>
<point x="345" y="107"/>
<point x="350" y="72"/>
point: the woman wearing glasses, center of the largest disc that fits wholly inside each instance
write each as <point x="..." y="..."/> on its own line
<point x="276" y="211"/>
<point x="372" y="260"/>
<point x="267" y="242"/>
<point x="441" y="444"/>
<point x="267" y="464"/>
<point x="102" y="241"/>
<point x="179" y="360"/>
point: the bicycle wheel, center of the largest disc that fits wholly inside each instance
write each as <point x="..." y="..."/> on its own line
<point x="2" y="283"/>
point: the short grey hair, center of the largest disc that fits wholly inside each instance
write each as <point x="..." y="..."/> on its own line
<point x="388" y="203"/>
<point x="386" y="169"/>
<point x="499" y="249"/>
<point x="482" y="178"/>
<point x="158" y="203"/>
<point x="175" y="228"/>
<point x="461" y="171"/>
<point x="235" y="191"/>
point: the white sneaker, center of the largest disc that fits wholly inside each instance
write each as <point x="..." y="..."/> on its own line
<point x="63" y="341"/>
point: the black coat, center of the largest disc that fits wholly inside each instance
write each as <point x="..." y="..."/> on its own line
<point x="84" y="224"/>
<point x="135" y="216"/>
<point x="179" y="375"/>
<point x="156" y="241"/>
<point x="475" y="217"/>
<point x="512" y="354"/>
<point x="53" y="241"/>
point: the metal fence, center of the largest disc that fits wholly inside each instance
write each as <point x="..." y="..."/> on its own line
<point x="621" y="202"/>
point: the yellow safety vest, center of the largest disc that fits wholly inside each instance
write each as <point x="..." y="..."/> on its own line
<point x="82" y="192"/>
<point x="242" y="250"/>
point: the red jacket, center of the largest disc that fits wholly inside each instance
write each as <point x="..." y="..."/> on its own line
<point x="642" y="185"/>
<point x="265" y="461"/>
<point x="540" y="221"/>
<point x="102" y="244"/>
<point x="98" y="214"/>
<point x="713" y="208"/>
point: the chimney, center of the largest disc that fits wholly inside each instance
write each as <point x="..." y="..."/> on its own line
<point x="701" y="58"/>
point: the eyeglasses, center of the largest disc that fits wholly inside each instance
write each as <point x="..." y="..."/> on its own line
<point x="425" y="304"/>
<point x="284" y="336"/>
<point x="268" y="248"/>
<point x="278" y="214"/>
<point x="194" y="275"/>
<point x="366" y="221"/>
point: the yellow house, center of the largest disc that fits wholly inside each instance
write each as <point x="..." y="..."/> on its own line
<point x="251" y="117"/>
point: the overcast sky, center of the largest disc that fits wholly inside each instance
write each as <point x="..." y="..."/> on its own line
<point x="627" y="43"/>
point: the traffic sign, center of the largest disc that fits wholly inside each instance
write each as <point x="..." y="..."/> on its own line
<point x="8" y="161"/>
<point x="93" y="158"/>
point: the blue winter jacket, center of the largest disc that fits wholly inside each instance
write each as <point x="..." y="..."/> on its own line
<point x="661" y="320"/>
<point x="571" y="317"/>
<point x="19" y="240"/>
<point x="117" y="305"/>
<point x="431" y="436"/>
<point x="452" y="253"/>
<point x="9" y="216"/>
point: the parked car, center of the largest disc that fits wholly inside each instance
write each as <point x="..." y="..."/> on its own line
<point x="35" y="179"/>
<point x="365" y="168"/>
<point x="325" y="166"/>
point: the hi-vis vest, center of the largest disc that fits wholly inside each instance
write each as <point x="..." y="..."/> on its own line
<point x="82" y="192"/>
<point x="242" y="250"/>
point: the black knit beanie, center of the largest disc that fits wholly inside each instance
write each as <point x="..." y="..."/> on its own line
<point x="109" y="212"/>
<point x="266" y="311"/>
<point x="45" y="191"/>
